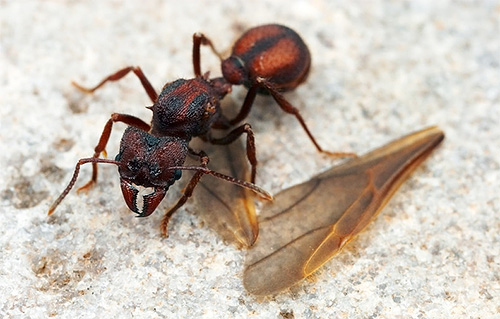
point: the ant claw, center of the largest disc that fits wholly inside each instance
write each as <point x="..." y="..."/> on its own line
<point x="81" y="88"/>
<point x="164" y="232"/>
<point x="85" y="188"/>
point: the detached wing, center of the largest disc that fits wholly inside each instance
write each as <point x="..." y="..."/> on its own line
<point x="227" y="208"/>
<point x="308" y="224"/>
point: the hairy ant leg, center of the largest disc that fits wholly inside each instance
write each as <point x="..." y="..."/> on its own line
<point x="103" y="141"/>
<point x="290" y="109"/>
<point x="198" y="40"/>
<point x="120" y="74"/>
<point x="232" y="136"/>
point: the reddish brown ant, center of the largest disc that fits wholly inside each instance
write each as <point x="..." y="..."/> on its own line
<point x="267" y="59"/>
<point x="151" y="156"/>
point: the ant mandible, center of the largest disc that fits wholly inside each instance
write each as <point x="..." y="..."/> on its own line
<point x="151" y="156"/>
<point x="268" y="59"/>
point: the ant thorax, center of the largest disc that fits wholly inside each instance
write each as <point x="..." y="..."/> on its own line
<point x="185" y="108"/>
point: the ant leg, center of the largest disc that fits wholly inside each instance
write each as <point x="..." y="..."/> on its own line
<point x="199" y="39"/>
<point x="120" y="74"/>
<point x="289" y="108"/>
<point x="103" y="141"/>
<point x="247" y="105"/>
<point x="232" y="136"/>
<point x="188" y="191"/>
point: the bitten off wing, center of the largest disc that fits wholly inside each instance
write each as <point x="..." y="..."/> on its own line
<point x="308" y="224"/>
<point x="225" y="207"/>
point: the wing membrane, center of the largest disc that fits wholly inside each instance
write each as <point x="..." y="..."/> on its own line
<point x="225" y="207"/>
<point x="308" y="224"/>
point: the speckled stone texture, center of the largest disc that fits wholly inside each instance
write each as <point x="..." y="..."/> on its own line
<point x="381" y="69"/>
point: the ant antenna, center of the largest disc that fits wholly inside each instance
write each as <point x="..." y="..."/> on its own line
<point x="254" y="188"/>
<point x="75" y="176"/>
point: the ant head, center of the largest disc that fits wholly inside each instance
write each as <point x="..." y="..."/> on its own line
<point x="234" y="71"/>
<point x="144" y="174"/>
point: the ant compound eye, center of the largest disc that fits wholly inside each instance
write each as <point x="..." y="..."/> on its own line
<point x="134" y="165"/>
<point x="177" y="174"/>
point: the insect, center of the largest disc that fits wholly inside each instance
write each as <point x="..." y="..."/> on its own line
<point x="267" y="59"/>
<point x="151" y="156"/>
<point x="308" y="224"/>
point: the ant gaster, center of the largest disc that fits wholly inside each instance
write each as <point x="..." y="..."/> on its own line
<point x="151" y="156"/>
<point x="267" y="59"/>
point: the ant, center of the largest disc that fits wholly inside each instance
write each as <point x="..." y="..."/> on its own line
<point x="267" y="59"/>
<point x="151" y="156"/>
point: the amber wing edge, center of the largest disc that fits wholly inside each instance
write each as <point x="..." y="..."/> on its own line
<point x="413" y="148"/>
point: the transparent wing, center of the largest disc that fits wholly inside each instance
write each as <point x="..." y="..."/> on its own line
<point x="225" y="207"/>
<point x="308" y="224"/>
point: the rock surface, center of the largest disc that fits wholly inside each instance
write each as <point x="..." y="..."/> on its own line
<point x="380" y="70"/>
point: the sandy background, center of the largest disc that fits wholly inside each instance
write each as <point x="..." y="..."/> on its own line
<point x="381" y="69"/>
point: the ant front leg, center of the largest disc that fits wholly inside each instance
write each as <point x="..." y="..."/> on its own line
<point x="103" y="141"/>
<point x="200" y="39"/>
<point x="289" y="108"/>
<point x="188" y="191"/>
<point x="120" y="74"/>
<point x="251" y="150"/>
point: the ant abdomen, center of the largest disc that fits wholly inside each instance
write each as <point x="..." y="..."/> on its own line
<point x="272" y="52"/>
<point x="268" y="59"/>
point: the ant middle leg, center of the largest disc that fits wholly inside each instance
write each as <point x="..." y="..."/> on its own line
<point x="103" y="141"/>
<point x="120" y="74"/>
<point x="251" y="150"/>
<point x="289" y="108"/>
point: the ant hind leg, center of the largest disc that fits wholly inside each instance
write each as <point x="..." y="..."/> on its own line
<point x="200" y="39"/>
<point x="289" y="108"/>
